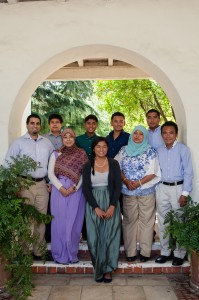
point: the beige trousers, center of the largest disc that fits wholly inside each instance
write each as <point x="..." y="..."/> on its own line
<point x="138" y="210"/>
<point x="167" y="198"/>
<point x="37" y="196"/>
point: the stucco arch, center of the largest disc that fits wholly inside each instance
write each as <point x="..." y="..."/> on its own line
<point x="93" y="51"/>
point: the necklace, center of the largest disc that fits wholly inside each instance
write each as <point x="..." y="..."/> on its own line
<point x="102" y="164"/>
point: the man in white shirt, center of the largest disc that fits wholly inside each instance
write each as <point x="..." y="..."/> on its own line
<point x="39" y="149"/>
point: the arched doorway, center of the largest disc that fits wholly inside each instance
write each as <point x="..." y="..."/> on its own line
<point x="93" y="52"/>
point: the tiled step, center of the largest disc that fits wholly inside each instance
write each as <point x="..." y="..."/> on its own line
<point x="84" y="266"/>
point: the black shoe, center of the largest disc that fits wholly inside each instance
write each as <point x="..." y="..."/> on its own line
<point x="177" y="261"/>
<point x="162" y="259"/>
<point x="48" y="256"/>
<point x="108" y="280"/>
<point x="36" y="257"/>
<point x="100" y="279"/>
<point x="60" y="263"/>
<point x="131" y="258"/>
<point x="74" y="262"/>
<point x="143" y="258"/>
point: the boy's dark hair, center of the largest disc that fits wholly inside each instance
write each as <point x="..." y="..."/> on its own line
<point x="91" y="117"/>
<point x="118" y="114"/>
<point x="153" y="111"/>
<point x="33" y="116"/>
<point x="170" y="123"/>
<point x="55" y="116"/>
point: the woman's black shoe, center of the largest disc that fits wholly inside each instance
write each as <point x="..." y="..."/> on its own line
<point x="107" y="280"/>
<point x="131" y="258"/>
<point x="100" y="279"/>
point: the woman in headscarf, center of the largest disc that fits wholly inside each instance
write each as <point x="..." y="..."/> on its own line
<point x="140" y="173"/>
<point x="102" y="187"/>
<point x="67" y="200"/>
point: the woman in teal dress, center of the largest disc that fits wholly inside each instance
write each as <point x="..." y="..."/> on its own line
<point x="102" y="188"/>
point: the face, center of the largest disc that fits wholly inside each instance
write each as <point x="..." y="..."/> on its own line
<point x="138" y="137"/>
<point x="68" y="140"/>
<point x="169" y="135"/>
<point x="153" y="120"/>
<point x="33" y="127"/>
<point x="118" y="123"/>
<point x="101" y="149"/>
<point x="55" y="125"/>
<point x="90" y="126"/>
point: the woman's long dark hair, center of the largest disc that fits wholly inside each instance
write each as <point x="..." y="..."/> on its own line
<point x="94" y="143"/>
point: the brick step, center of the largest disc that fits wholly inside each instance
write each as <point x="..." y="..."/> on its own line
<point x="84" y="266"/>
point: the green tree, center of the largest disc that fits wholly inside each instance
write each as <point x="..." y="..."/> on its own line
<point x="71" y="99"/>
<point x="133" y="98"/>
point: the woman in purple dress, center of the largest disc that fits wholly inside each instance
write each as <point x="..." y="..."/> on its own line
<point x="67" y="200"/>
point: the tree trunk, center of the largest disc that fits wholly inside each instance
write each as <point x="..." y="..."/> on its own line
<point x="194" y="281"/>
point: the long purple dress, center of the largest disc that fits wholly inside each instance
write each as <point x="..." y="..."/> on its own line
<point x="68" y="212"/>
<point x="67" y="224"/>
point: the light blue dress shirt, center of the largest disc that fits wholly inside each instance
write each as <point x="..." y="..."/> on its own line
<point x="55" y="140"/>
<point x="155" y="138"/>
<point x="176" y="165"/>
<point x="39" y="150"/>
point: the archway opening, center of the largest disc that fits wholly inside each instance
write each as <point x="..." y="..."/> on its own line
<point x="95" y="52"/>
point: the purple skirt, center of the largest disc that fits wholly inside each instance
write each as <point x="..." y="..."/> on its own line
<point x="67" y="223"/>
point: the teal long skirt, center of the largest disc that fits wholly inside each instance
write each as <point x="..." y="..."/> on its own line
<point x="103" y="235"/>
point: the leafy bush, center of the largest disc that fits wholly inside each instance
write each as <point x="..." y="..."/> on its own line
<point x="16" y="239"/>
<point x="183" y="226"/>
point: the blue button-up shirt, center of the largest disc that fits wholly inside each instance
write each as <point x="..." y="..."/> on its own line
<point x="39" y="150"/>
<point x="114" y="146"/>
<point x="176" y="165"/>
<point x="155" y="138"/>
<point x="55" y="140"/>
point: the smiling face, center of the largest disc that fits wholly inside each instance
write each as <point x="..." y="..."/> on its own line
<point x="68" y="140"/>
<point x="118" y="123"/>
<point x="153" y="120"/>
<point x="91" y="126"/>
<point x="33" y="127"/>
<point x="138" y="136"/>
<point x="169" y="135"/>
<point x="55" y="126"/>
<point x="101" y="149"/>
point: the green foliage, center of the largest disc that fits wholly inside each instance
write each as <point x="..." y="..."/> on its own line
<point x="71" y="99"/>
<point x="183" y="226"/>
<point x="133" y="98"/>
<point x="16" y="239"/>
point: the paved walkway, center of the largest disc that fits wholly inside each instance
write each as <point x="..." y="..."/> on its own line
<point x="123" y="287"/>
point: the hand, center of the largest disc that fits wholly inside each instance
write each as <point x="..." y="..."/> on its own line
<point x="66" y="192"/>
<point x="100" y="213"/>
<point x="49" y="187"/>
<point x="135" y="184"/>
<point x="110" y="212"/>
<point x="129" y="184"/>
<point x="182" y="200"/>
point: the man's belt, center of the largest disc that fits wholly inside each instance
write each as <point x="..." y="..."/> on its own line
<point x="34" y="179"/>
<point x="172" y="183"/>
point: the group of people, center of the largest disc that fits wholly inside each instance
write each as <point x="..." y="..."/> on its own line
<point x="98" y="178"/>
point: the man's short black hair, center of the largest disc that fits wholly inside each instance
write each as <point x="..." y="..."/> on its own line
<point x="170" y="123"/>
<point x="33" y="116"/>
<point x="55" y="116"/>
<point x="91" y="117"/>
<point x="153" y="111"/>
<point x="118" y="114"/>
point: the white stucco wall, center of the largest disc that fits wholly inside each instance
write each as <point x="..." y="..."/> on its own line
<point x="158" y="36"/>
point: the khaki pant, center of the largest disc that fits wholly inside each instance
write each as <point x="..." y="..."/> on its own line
<point x="138" y="210"/>
<point x="38" y="197"/>
<point x="167" y="198"/>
